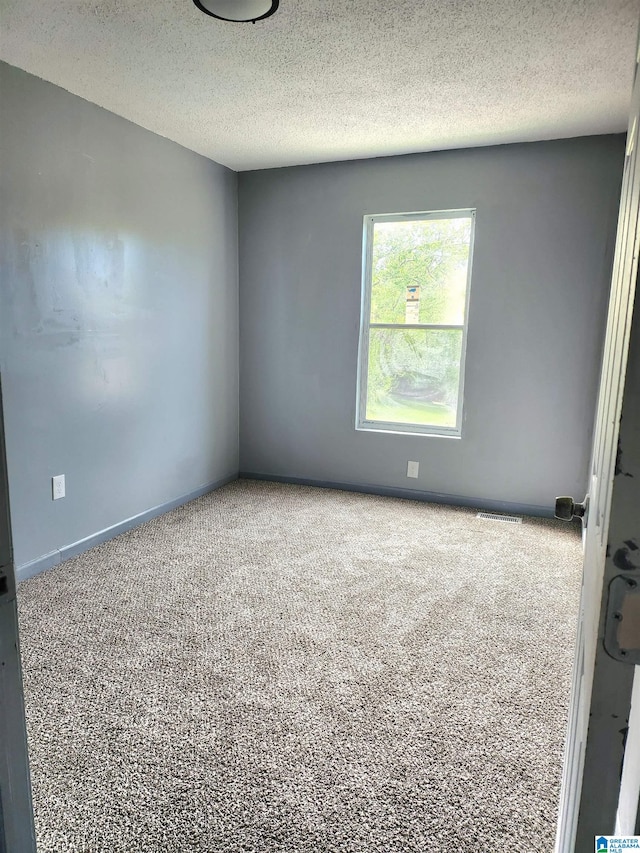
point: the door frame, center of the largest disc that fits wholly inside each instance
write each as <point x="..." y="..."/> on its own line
<point x="600" y="706"/>
<point x="17" y="833"/>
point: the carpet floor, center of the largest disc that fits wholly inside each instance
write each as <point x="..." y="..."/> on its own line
<point x="282" y="669"/>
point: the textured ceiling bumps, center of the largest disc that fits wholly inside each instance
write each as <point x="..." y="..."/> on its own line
<point x="330" y="80"/>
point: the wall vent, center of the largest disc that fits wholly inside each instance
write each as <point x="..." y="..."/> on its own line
<point x="506" y="519"/>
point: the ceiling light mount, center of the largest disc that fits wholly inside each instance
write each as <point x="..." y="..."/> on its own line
<point x="238" y="11"/>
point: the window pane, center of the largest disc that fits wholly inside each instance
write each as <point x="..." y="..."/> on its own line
<point x="419" y="271"/>
<point x="414" y="376"/>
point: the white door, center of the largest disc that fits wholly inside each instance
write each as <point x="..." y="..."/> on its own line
<point x="601" y="691"/>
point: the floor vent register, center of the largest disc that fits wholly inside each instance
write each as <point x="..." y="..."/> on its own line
<point x="505" y="519"/>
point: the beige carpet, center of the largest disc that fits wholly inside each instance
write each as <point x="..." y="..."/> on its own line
<point x="281" y="669"/>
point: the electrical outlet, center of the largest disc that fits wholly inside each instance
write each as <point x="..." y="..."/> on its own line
<point x="412" y="469"/>
<point x="58" y="487"/>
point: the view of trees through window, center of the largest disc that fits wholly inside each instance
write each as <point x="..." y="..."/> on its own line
<point x="418" y="285"/>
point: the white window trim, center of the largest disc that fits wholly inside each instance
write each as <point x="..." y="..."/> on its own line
<point x="365" y="312"/>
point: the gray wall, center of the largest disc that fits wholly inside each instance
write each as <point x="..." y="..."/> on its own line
<point x="119" y="316"/>
<point x="546" y="218"/>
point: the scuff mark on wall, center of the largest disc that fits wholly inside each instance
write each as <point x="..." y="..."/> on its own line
<point x="624" y="558"/>
<point x="618" y="469"/>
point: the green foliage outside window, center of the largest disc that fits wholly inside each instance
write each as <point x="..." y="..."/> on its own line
<point x="414" y="374"/>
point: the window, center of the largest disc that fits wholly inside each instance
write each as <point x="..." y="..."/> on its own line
<point x="417" y="268"/>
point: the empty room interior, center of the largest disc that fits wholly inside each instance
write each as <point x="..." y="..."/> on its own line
<point x="301" y="325"/>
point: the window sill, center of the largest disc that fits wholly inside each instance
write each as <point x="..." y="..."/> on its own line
<point x="397" y="429"/>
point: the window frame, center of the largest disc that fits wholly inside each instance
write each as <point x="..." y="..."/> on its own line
<point x="369" y="221"/>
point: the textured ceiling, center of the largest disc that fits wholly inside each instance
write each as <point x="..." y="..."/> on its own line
<point x="338" y="79"/>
